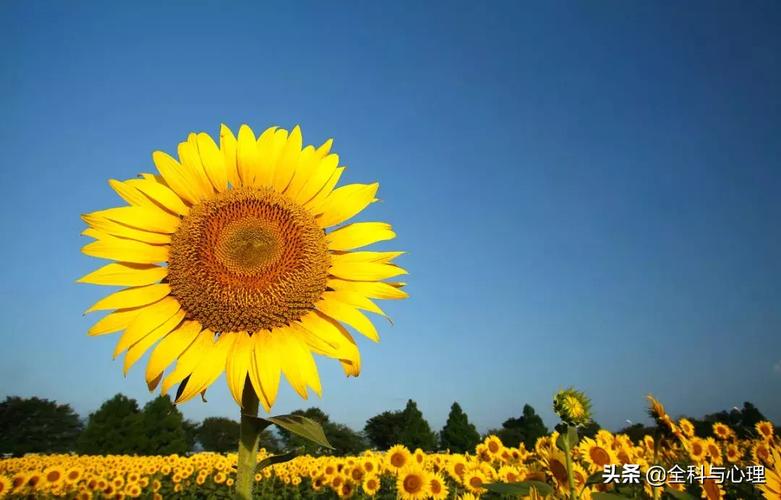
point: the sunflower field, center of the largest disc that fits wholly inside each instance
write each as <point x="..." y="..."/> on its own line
<point x="493" y="470"/>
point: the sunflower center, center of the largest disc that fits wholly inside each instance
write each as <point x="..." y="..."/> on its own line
<point x="248" y="260"/>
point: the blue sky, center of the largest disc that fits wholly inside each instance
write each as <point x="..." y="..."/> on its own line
<point x="588" y="192"/>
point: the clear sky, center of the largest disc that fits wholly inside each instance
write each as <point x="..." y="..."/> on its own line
<point x="588" y="192"/>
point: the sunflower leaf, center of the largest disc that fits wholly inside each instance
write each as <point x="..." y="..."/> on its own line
<point x="302" y="426"/>
<point x="521" y="488"/>
<point x="278" y="459"/>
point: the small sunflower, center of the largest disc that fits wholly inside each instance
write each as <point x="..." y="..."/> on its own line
<point x="413" y="483"/>
<point x="722" y="431"/>
<point x="733" y="453"/>
<point x="231" y="266"/>
<point x="474" y="481"/>
<point x="437" y="488"/>
<point x="765" y="430"/>
<point x="697" y="449"/>
<point x="397" y="458"/>
<point x="371" y="485"/>
<point x="572" y="406"/>
<point x="686" y="427"/>
<point x="596" y="455"/>
<point x="494" y="447"/>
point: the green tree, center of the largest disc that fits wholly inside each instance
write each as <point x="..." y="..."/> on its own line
<point x="415" y="431"/>
<point x="458" y="434"/>
<point x="384" y="430"/>
<point x="344" y="440"/>
<point x="219" y="434"/>
<point x="163" y="428"/>
<point x="526" y="429"/>
<point x="37" y="426"/>
<point x="115" y="428"/>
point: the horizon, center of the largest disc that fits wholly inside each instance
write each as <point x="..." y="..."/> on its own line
<point x="587" y="193"/>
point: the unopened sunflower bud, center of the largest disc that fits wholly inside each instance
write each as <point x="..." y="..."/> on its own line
<point x="572" y="406"/>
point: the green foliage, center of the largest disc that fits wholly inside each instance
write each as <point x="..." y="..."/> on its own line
<point x="384" y="430"/>
<point x="218" y="434"/>
<point x="37" y="426"/>
<point x="526" y="429"/>
<point x="163" y="428"/>
<point x="415" y="431"/>
<point x="742" y="421"/>
<point x="458" y="435"/>
<point x="344" y="440"/>
<point x="115" y="428"/>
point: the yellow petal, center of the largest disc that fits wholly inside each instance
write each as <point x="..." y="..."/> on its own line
<point x="288" y="160"/>
<point x="132" y="297"/>
<point x="307" y="162"/>
<point x="365" y="271"/>
<point x="190" y="159"/>
<point x="270" y="146"/>
<point x="265" y="370"/>
<point x="322" y="173"/>
<point x="213" y="162"/>
<point x="345" y="202"/>
<point x="329" y="338"/>
<point x="247" y="156"/>
<point x="126" y="251"/>
<point x="266" y="159"/>
<point x="139" y="348"/>
<point x="112" y="228"/>
<point x="146" y="218"/>
<point x="359" y="234"/>
<point x="147" y="320"/>
<point x="371" y="289"/>
<point x="350" y="315"/>
<point x="175" y="177"/>
<point x="324" y="148"/>
<point x="238" y="364"/>
<point x="228" y="145"/>
<point x="126" y="274"/>
<point x="189" y="359"/>
<point x="354" y="299"/>
<point x="170" y="348"/>
<point x="210" y="367"/>
<point x="160" y="194"/>
<point x="364" y="256"/>
<point x="129" y="193"/>
<point x="293" y="359"/>
<point x="115" y="321"/>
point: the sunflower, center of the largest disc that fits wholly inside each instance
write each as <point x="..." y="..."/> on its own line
<point x="733" y="453"/>
<point x="772" y="486"/>
<point x="229" y="265"/>
<point x="54" y="476"/>
<point x="493" y="446"/>
<point x="596" y="455"/>
<point x="722" y="431"/>
<point x="437" y="488"/>
<point x="474" y="481"/>
<point x="697" y="449"/>
<point x="5" y="486"/>
<point x="686" y="427"/>
<point x="397" y="458"/>
<point x="412" y="483"/>
<point x="765" y="429"/>
<point x="572" y="406"/>
<point x="371" y="485"/>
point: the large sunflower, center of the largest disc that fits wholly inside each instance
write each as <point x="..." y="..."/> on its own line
<point x="230" y="264"/>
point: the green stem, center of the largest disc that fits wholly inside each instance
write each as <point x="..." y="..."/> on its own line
<point x="249" y="440"/>
<point x="570" y="477"/>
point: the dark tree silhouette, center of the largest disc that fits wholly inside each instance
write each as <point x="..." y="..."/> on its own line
<point x="37" y="426"/>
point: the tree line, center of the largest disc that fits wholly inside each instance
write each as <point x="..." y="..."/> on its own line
<point x="120" y="426"/>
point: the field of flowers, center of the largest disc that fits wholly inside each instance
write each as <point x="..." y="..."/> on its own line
<point x="406" y="474"/>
